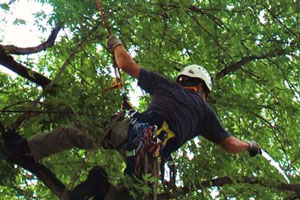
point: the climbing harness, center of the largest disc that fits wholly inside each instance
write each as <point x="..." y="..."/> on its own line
<point x="144" y="150"/>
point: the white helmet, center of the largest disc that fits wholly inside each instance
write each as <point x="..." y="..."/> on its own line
<point x="196" y="71"/>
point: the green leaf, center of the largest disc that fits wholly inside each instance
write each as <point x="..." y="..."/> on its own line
<point x="4" y="6"/>
<point x="257" y="98"/>
<point x="19" y="22"/>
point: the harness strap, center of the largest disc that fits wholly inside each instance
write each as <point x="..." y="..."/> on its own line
<point x="169" y="133"/>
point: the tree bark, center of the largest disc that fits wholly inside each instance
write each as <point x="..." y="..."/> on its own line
<point x="47" y="177"/>
<point x="9" y="62"/>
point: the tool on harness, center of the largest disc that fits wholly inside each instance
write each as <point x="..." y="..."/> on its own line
<point x="144" y="150"/>
<point x="142" y="156"/>
<point x="146" y="140"/>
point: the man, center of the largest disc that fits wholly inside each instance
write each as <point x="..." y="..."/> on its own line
<point x="178" y="107"/>
<point x="182" y="104"/>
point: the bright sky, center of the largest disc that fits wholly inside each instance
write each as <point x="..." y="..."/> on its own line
<point x="28" y="34"/>
<point x="22" y="35"/>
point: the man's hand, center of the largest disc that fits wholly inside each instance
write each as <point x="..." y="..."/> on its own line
<point x="123" y="60"/>
<point x="254" y="148"/>
<point x="112" y="43"/>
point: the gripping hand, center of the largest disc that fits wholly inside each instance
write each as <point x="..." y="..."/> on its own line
<point x="112" y="43"/>
<point x="254" y="148"/>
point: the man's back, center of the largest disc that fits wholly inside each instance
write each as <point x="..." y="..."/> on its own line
<point x="185" y="112"/>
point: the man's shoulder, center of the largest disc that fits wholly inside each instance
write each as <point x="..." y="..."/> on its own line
<point x="146" y="73"/>
<point x="152" y="79"/>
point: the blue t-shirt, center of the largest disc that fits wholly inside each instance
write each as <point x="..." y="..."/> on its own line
<point x="185" y="111"/>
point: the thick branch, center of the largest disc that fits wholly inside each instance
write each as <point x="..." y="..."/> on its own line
<point x="235" y="66"/>
<point x="245" y="179"/>
<point x="47" y="177"/>
<point x="9" y="62"/>
<point x="11" y="49"/>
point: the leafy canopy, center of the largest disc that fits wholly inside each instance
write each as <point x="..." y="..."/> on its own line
<point x="250" y="48"/>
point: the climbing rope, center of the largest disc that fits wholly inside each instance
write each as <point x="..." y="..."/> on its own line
<point x="118" y="82"/>
<point x="148" y="147"/>
<point x="103" y="17"/>
<point x="143" y="153"/>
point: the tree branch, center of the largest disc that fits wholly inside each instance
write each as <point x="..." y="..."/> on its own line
<point x="219" y="182"/>
<point x="9" y="62"/>
<point x="245" y="179"/>
<point x="11" y="49"/>
<point x="237" y="65"/>
<point x="47" y="177"/>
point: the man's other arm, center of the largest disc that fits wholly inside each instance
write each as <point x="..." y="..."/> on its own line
<point x="233" y="145"/>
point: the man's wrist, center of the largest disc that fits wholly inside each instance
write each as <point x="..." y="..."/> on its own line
<point x="249" y="145"/>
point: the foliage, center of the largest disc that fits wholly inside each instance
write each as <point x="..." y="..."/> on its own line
<point x="251" y="49"/>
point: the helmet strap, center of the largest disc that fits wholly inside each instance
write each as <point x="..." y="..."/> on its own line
<point x="196" y="89"/>
<point x="193" y="88"/>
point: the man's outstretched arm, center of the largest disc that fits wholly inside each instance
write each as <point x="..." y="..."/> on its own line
<point x="123" y="59"/>
<point x="234" y="145"/>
